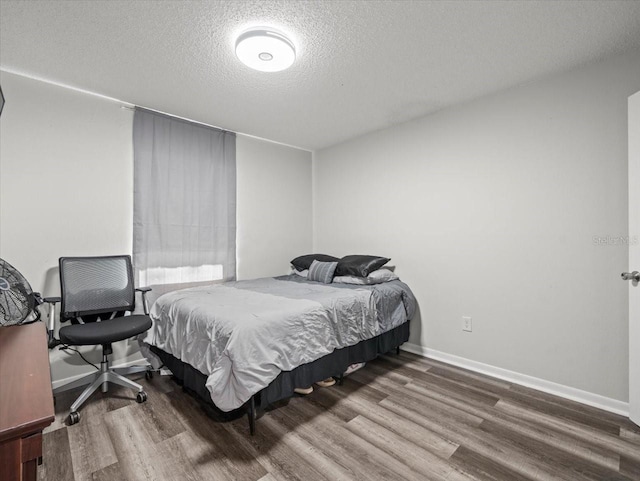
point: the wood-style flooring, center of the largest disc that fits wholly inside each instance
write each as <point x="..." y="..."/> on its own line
<point x="400" y="417"/>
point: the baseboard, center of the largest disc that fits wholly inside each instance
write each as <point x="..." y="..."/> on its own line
<point x="61" y="382"/>
<point x="567" y="392"/>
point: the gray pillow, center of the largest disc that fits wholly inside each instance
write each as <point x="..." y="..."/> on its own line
<point x="322" y="271"/>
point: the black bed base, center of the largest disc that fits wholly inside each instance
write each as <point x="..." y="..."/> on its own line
<point x="331" y="365"/>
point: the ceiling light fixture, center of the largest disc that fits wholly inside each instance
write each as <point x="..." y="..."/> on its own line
<point x="265" y="49"/>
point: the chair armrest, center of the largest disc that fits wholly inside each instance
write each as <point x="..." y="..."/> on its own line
<point x="52" y="301"/>
<point x="145" y="303"/>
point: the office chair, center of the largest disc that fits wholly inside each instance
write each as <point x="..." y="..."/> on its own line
<point x="97" y="293"/>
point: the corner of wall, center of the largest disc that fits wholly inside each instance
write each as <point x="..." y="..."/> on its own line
<point x="314" y="237"/>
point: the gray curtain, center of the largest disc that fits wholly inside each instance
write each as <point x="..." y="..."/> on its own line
<point x="184" y="205"/>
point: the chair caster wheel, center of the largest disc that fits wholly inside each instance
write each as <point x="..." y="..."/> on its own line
<point x="148" y="375"/>
<point x="141" y="397"/>
<point x="74" y="418"/>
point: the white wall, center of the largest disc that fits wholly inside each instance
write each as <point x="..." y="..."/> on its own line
<point x="66" y="189"/>
<point x="490" y="210"/>
<point x="274" y="207"/>
<point x="66" y="182"/>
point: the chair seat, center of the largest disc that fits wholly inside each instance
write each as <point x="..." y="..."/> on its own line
<point x="104" y="332"/>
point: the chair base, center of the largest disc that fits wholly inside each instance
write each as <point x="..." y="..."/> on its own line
<point x="101" y="379"/>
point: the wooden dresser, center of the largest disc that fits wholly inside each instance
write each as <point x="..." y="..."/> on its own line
<point x="26" y="399"/>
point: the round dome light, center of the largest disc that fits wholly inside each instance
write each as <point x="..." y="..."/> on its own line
<point x="265" y="49"/>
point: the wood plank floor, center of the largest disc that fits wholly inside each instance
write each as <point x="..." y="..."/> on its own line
<point x="400" y="417"/>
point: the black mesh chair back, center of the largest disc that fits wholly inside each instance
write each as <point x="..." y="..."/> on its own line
<point x="93" y="287"/>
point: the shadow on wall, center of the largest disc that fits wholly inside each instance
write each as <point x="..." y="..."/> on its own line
<point x="92" y="354"/>
<point x="51" y="282"/>
<point x="415" y="331"/>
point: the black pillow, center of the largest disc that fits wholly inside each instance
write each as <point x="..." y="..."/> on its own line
<point x="360" y="266"/>
<point x="304" y="262"/>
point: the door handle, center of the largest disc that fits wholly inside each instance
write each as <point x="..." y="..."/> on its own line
<point x="631" y="276"/>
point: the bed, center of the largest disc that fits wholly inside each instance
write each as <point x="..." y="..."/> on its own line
<point x="244" y="345"/>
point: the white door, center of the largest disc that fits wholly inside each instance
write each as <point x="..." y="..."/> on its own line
<point x="634" y="257"/>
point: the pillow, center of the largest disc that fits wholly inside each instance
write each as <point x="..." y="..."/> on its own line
<point x="376" y="277"/>
<point x="304" y="262"/>
<point x="303" y="273"/>
<point x="322" y="271"/>
<point x="359" y="266"/>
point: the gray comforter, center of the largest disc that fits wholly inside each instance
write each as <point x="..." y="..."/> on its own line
<point x="243" y="334"/>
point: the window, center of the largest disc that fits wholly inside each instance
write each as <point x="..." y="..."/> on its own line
<point x="184" y="215"/>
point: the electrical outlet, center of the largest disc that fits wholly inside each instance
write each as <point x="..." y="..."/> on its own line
<point x="466" y="323"/>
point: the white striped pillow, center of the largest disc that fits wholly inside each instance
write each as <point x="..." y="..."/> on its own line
<point x="322" y="271"/>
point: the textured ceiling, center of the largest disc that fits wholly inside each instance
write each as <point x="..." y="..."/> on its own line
<point x="362" y="65"/>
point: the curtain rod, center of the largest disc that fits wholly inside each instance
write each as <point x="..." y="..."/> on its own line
<point x="184" y="119"/>
<point x="130" y="106"/>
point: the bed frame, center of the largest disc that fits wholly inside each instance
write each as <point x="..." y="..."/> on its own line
<point x="331" y="365"/>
